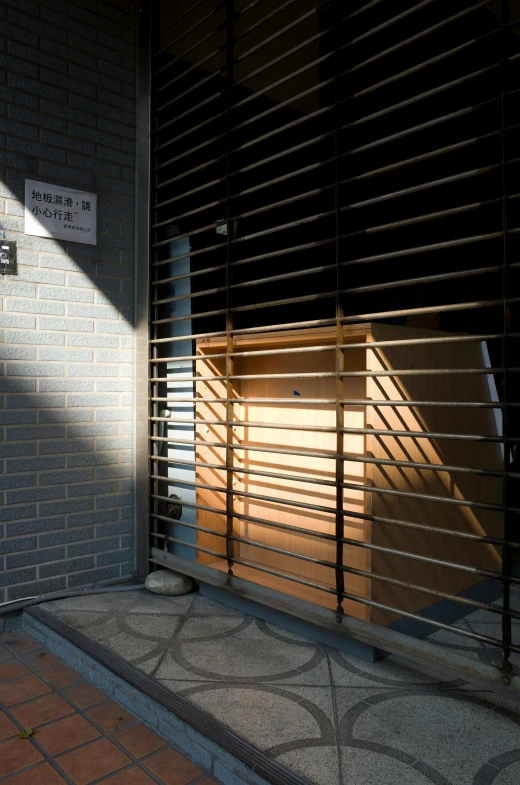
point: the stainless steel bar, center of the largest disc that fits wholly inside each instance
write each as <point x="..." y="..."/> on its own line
<point x="184" y="462"/>
<point x="194" y="357"/>
<point x="417" y="219"/>
<point x="372" y="374"/>
<point x="178" y="378"/>
<point x="297" y="350"/>
<point x="373" y="489"/>
<point x="191" y="151"/>
<point x="318" y="166"/>
<point x="367" y="6"/>
<point x="422" y="65"/>
<point x="353" y="458"/>
<point x="192" y="526"/>
<point x="426" y="559"/>
<point x="282" y="57"/>
<point x="311" y="375"/>
<point x="424" y="619"/>
<point x="483" y="539"/>
<point x="193" y="336"/>
<point x="200" y="21"/>
<point x="414" y="311"/>
<point x="393" y="20"/>
<point x="285" y="401"/>
<point x="285" y="527"/>
<point x="284" y="202"/>
<point x="285" y="426"/>
<point x="249" y="447"/>
<point x="229" y="455"/>
<point x="186" y="235"/>
<point x="423" y="249"/>
<point x="194" y="274"/>
<point x="286" y="78"/>
<point x="339" y="356"/>
<point x="370" y="345"/>
<point x="423" y="372"/>
<point x="193" y="108"/>
<point x="259" y="22"/>
<point x="507" y="523"/>
<point x="437" y="151"/>
<point x="289" y="478"/>
<point x="424" y="497"/>
<point x="286" y="301"/>
<point x="182" y="216"/>
<point x="414" y="526"/>
<point x="252" y="519"/>
<point x="420" y="97"/>
<point x="374" y="576"/>
<point x="286" y="326"/>
<point x="211" y="34"/>
<point x="143" y="405"/>
<point x="436" y="121"/>
<point x="190" y="192"/>
<point x="203" y="315"/>
<point x="415" y="404"/>
<point x="460" y="176"/>
<point x="177" y="541"/>
<point x="194" y="67"/>
<point x="186" y="92"/>
<point x="418" y="36"/>
<point x="192" y="505"/>
<point x="426" y="435"/>
<point x="285" y="576"/>
<point x="284" y="251"/>
<point x="283" y="153"/>
<point x="283" y="104"/>
<point x="282" y="128"/>
<point x="175" y="482"/>
<point x="204" y="293"/>
<point x="176" y="21"/>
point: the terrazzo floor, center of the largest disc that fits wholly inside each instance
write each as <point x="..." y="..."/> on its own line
<point x="330" y="717"/>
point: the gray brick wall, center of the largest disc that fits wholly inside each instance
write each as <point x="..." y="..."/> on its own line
<point x="67" y="116"/>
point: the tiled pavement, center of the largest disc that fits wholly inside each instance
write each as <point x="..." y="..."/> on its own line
<point x="79" y="737"/>
<point x="327" y="716"/>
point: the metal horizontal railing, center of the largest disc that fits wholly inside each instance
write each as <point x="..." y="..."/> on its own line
<point x="334" y="389"/>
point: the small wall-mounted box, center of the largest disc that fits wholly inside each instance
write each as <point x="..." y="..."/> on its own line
<point x="8" y="264"/>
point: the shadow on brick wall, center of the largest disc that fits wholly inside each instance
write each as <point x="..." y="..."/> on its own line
<point x="66" y="518"/>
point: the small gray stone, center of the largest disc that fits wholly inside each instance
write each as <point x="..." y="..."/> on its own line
<point x="169" y="583"/>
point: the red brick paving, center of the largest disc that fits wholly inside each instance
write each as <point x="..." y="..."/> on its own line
<point x="41" y="710"/>
<point x="139" y="740"/>
<point x="173" y="768"/>
<point x="43" y="774"/>
<point x="18" y="690"/>
<point x="79" y="735"/>
<point x="84" y="695"/>
<point x="110" y="716"/>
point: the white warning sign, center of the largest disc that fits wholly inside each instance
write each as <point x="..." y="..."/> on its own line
<point x="62" y="213"/>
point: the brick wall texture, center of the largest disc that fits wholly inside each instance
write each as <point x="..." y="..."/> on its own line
<point x="67" y="116"/>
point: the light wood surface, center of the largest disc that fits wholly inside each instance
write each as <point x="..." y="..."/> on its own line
<point x="442" y="387"/>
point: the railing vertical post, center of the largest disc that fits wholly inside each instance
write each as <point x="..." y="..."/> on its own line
<point x="506" y="550"/>
<point x="229" y="315"/>
<point x="143" y="407"/>
<point x="339" y="354"/>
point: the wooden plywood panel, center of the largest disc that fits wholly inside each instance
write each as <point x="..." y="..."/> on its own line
<point x="209" y="455"/>
<point x="320" y="470"/>
<point x="441" y="387"/>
